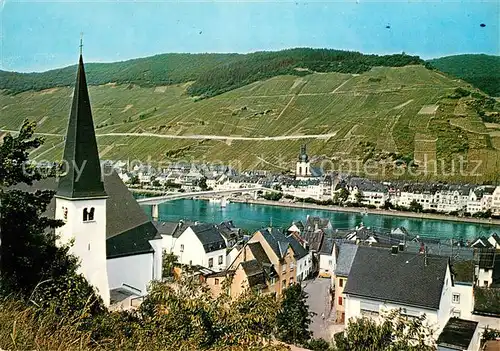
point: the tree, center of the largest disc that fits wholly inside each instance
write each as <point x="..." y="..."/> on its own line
<point x="343" y="194"/>
<point x="415" y="206"/>
<point x="294" y="318"/>
<point x="394" y="332"/>
<point x="169" y="261"/>
<point x="27" y="251"/>
<point x="32" y="266"/>
<point x="359" y="197"/>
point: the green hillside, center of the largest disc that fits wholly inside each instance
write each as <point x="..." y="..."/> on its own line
<point x="483" y="71"/>
<point x="383" y="114"/>
<point x="213" y="73"/>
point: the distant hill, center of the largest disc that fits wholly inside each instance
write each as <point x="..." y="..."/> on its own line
<point x="388" y="115"/>
<point x="213" y="73"/>
<point x="483" y="71"/>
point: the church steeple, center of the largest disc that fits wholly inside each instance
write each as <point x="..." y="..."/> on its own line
<point x="82" y="177"/>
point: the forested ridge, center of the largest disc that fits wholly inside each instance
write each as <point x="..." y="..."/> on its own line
<point x="482" y="71"/>
<point x="213" y="73"/>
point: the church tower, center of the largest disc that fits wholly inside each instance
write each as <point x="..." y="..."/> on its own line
<point x="80" y="197"/>
<point x="303" y="169"/>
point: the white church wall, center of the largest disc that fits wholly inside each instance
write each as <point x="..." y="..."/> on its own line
<point x="88" y="238"/>
<point x="157" y="258"/>
<point x="134" y="271"/>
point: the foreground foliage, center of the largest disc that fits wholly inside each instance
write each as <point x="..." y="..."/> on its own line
<point x="395" y="332"/>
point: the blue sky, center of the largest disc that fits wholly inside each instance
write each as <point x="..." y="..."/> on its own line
<point x="41" y="35"/>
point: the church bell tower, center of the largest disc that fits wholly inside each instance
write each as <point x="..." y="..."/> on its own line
<point x="303" y="169"/>
<point x="80" y="197"/>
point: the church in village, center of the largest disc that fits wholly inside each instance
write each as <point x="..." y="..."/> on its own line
<point x="118" y="245"/>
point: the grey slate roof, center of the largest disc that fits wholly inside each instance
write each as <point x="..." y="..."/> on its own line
<point x="327" y="247"/>
<point x="457" y="334"/>
<point x="277" y="240"/>
<point x="487" y="258"/>
<point x="299" y="251"/>
<point x="460" y="253"/>
<point x="209" y="236"/>
<point x="314" y="238"/>
<point x="345" y="259"/>
<point x="128" y="228"/>
<point x="402" y="278"/>
<point x="258" y="252"/>
<point x="82" y="176"/>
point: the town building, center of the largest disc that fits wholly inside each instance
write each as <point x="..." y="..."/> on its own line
<point x="381" y="279"/>
<point x="195" y="244"/>
<point x="345" y="258"/>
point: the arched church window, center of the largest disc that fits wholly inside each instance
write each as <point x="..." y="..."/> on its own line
<point x="65" y="213"/>
<point x="85" y="214"/>
<point x="91" y="214"/>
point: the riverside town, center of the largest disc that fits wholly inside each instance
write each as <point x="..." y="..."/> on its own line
<point x="284" y="194"/>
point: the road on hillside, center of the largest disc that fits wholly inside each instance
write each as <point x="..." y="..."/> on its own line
<point x="210" y="137"/>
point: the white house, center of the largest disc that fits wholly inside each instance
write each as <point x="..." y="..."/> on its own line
<point x="381" y="279"/>
<point x="495" y="201"/>
<point x="201" y="244"/>
<point x="327" y="260"/>
<point x="462" y="300"/>
<point x="302" y="257"/>
<point x="370" y="192"/>
<point x="108" y="228"/>
<point x="485" y="266"/>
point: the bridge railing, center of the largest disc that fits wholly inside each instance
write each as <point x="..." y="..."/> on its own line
<point x="163" y="198"/>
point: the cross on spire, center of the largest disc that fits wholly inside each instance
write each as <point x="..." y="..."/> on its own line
<point x="81" y="42"/>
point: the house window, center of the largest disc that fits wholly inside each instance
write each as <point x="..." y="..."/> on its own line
<point x="182" y="247"/>
<point x="485" y="283"/>
<point x="210" y="262"/>
<point x="291" y="280"/>
<point x="283" y="283"/>
<point x="456" y="298"/>
<point x="220" y="259"/>
<point x="456" y="314"/>
<point x="65" y="213"/>
<point x="273" y="281"/>
<point x="89" y="246"/>
<point x="341" y="282"/>
<point x="330" y="262"/>
<point x="91" y="214"/>
<point x="284" y="269"/>
<point x="216" y="281"/>
<point x="340" y="300"/>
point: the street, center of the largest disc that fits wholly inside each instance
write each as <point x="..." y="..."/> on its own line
<point x="319" y="302"/>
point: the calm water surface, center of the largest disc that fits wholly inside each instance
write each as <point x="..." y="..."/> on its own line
<point x="253" y="217"/>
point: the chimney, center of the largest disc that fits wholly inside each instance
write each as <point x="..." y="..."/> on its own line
<point x="394" y="250"/>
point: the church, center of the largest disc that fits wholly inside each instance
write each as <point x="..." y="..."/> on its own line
<point x="303" y="169"/>
<point x="118" y="245"/>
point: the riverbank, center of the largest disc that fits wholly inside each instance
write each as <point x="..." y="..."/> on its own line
<point x="432" y="216"/>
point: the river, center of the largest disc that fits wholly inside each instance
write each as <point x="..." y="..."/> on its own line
<point x="253" y="217"/>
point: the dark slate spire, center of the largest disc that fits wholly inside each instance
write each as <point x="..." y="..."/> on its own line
<point x="81" y="158"/>
<point x="303" y="154"/>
